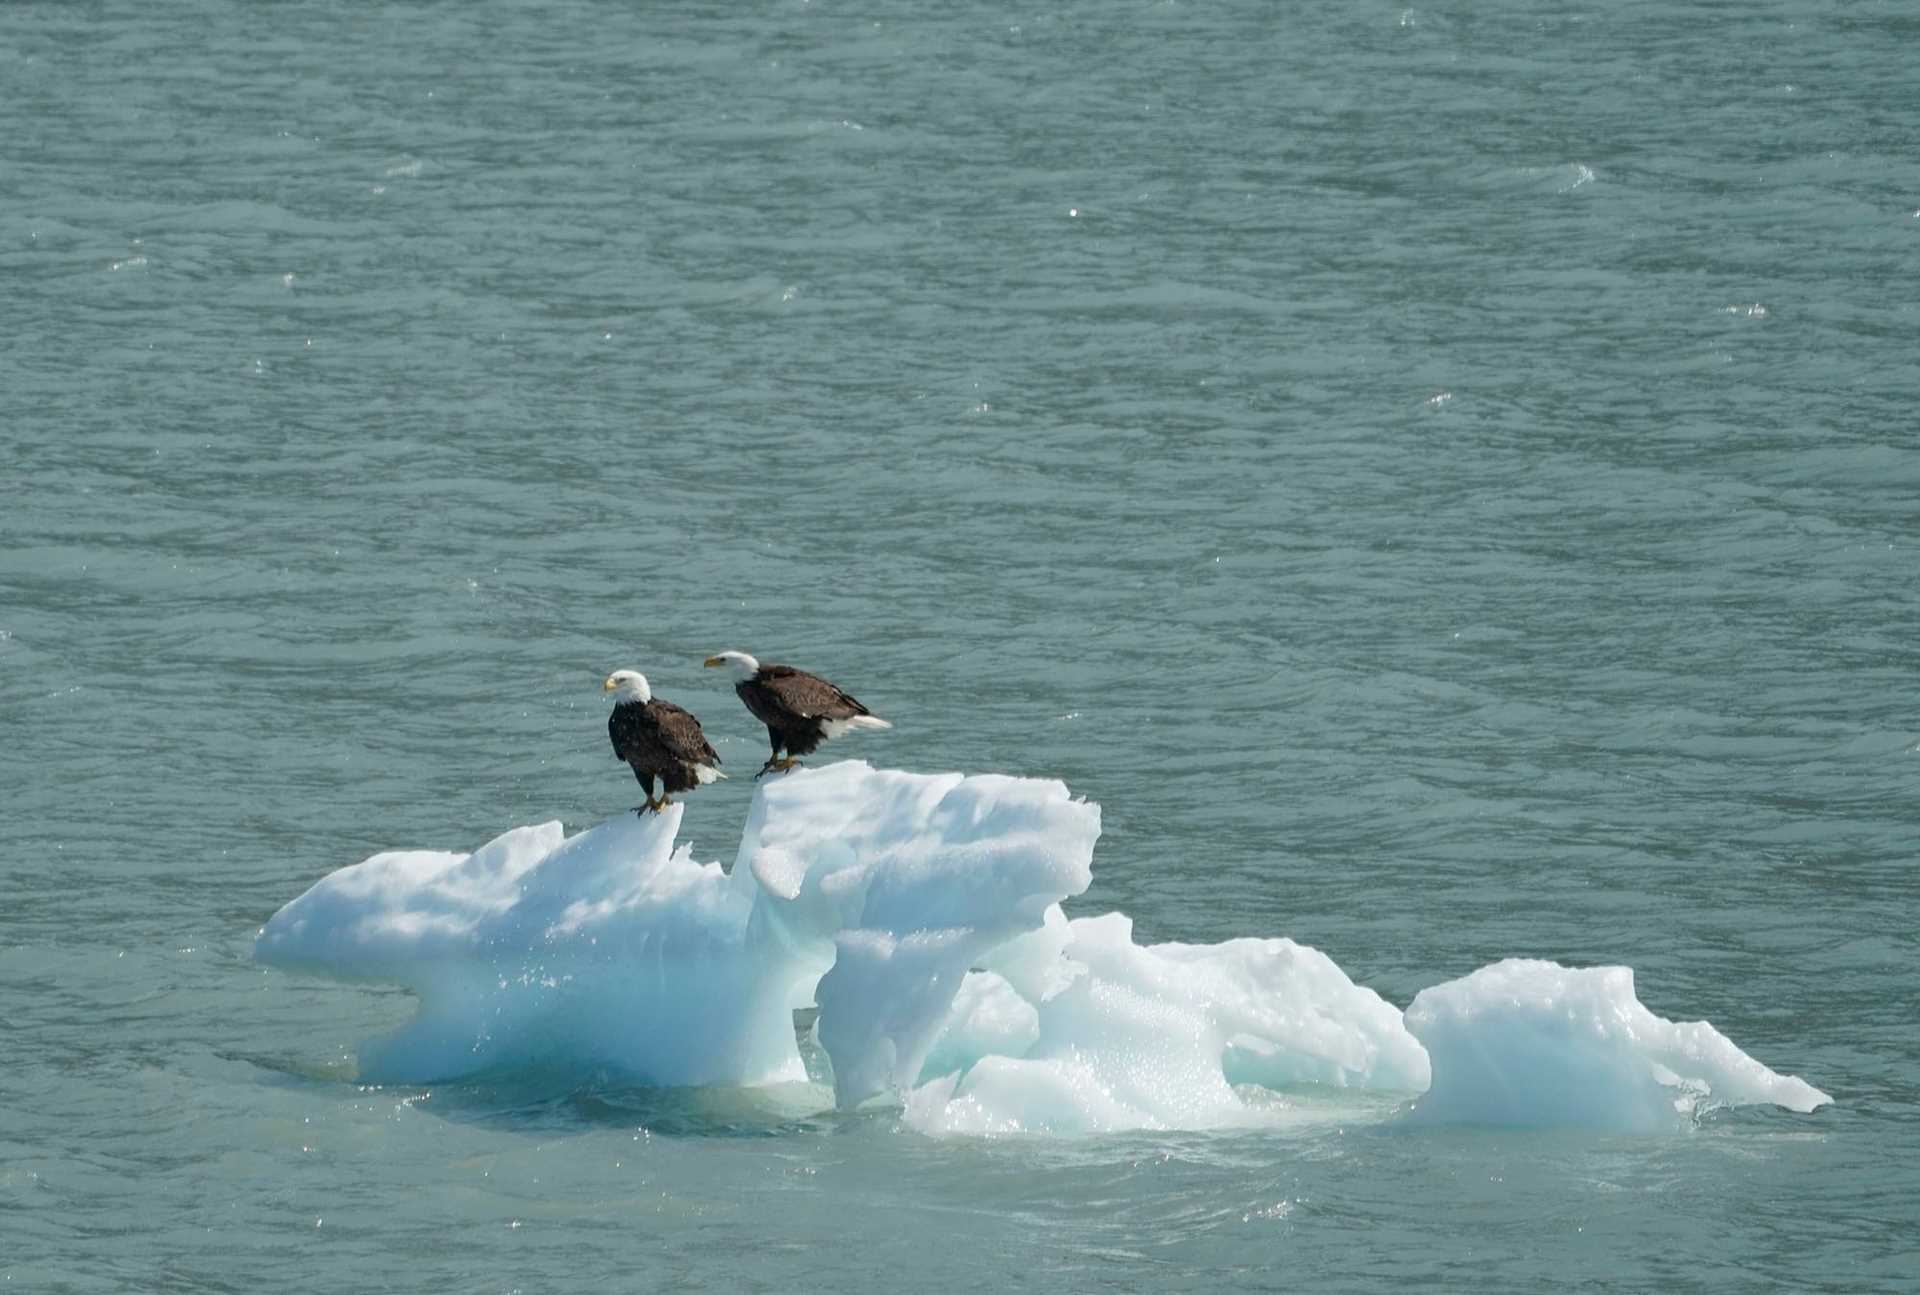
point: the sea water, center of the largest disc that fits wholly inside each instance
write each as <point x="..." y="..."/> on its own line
<point x="1441" y="479"/>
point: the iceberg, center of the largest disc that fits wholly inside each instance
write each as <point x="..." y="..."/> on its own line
<point x="1532" y="1043"/>
<point x="921" y="914"/>
<point x="870" y="892"/>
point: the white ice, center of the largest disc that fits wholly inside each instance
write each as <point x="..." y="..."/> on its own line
<point x="1115" y="1035"/>
<point x="1534" y="1043"/>
<point x="921" y="914"/>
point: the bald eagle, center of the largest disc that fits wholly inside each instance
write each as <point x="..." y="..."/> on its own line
<point x="800" y="710"/>
<point x="658" y="739"/>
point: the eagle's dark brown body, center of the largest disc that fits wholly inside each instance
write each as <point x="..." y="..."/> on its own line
<point x="660" y="740"/>
<point x="800" y="710"/>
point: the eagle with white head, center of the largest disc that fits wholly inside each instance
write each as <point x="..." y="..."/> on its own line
<point x="657" y="739"/>
<point x="800" y="710"/>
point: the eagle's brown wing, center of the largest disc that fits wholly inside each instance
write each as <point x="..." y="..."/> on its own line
<point x="648" y="732"/>
<point x="680" y="733"/>
<point x="808" y="694"/>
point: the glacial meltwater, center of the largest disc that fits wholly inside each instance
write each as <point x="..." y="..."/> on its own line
<point x="1386" y="536"/>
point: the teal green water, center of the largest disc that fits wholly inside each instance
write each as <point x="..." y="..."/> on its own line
<point x="1444" y="479"/>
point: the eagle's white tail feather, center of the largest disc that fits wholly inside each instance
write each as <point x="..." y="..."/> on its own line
<point x="835" y="727"/>
<point x="706" y="773"/>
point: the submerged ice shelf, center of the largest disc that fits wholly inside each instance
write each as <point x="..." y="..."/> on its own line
<point x="921" y="914"/>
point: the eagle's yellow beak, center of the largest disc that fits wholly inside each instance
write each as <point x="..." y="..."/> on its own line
<point x="606" y="685"/>
<point x="714" y="660"/>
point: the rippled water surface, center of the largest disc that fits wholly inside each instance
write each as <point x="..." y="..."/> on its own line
<point x="1445" y="480"/>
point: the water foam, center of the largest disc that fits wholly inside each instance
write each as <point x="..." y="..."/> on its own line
<point x="921" y="915"/>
